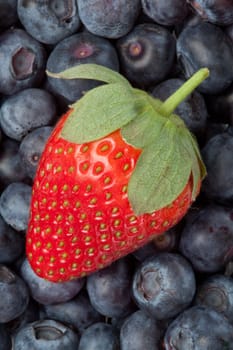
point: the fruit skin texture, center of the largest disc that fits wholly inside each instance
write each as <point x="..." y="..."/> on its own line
<point x="81" y="219"/>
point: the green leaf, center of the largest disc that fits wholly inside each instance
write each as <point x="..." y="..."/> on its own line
<point x="90" y="71"/>
<point x="199" y="157"/>
<point x="101" y="111"/>
<point x="161" y="172"/>
<point x="147" y="125"/>
<point x="187" y="143"/>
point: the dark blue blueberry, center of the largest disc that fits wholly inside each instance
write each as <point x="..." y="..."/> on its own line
<point x="207" y="238"/>
<point x="49" y="21"/>
<point x="166" y="242"/>
<point x="216" y="292"/>
<point x="109" y="289"/>
<point x="8" y="13"/>
<point x="77" y="312"/>
<point x="215" y="11"/>
<point x="77" y="49"/>
<point x="199" y="328"/>
<point x="31" y="148"/>
<point x="14" y="295"/>
<point x="46" y="292"/>
<point x="213" y="129"/>
<point x="26" y="111"/>
<point x="147" y="53"/>
<point x="31" y="314"/>
<point x="11" y="169"/>
<point x="99" y="336"/>
<point x="14" y="205"/>
<point x="220" y="107"/>
<point x="164" y="285"/>
<point x="229" y="31"/>
<point x="167" y="13"/>
<point x="5" y="338"/>
<point x="22" y="61"/>
<point x="11" y="243"/>
<point x="193" y="110"/>
<point x="217" y="156"/>
<point x="110" y="19"/>
<point x="45" y="335"/>
<point x="140" y="331"/>
<point x="206" y="45"/>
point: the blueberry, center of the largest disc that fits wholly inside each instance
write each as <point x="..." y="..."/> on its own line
<point x="207" y="238"/>
<point x="8" y="13"/>
<point x="11" y="168"/>
<point x="213" y="129"/>
<point x="147" y="53"/>
<point x="166" y="242"/>
<point x="220" y="106"/>
<point x="49" y="21"/>
<point x="45" y="335"/>
<point x="215" y="11"/>
<point x="25" y="111"/>
<point x="22" y="61"/>
<point x="229" y="31"/>
<point x="14" y="295"/>
<point x="217" y="156"/>
<point x="31" y="148"/>
<point x="46" y="292"/>
<point x="193" y="110"/>
<point x="77" y="312"/>
<point x="11" y="243"/>
<point x="99" y="336"/>
<point x="14" y="205"/>
<point x="31" y="314"/>
<point x="110" y="19"/>
<point x="164" y="285"/>
<point x="167" y="13"/>
<point x="109" y="289"/>
<point x="199" y="328"/>
<point x="77" y="49"/>
<point x="5" y="338"/>
<point x="216" y="292"/>
<point x="206" y="45"/>
<point x="140" y="331"/>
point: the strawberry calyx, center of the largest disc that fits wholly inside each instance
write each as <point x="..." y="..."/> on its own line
<point x="170" y="153"/>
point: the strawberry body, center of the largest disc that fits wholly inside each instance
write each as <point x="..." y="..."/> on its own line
<point x="81" y="219"/>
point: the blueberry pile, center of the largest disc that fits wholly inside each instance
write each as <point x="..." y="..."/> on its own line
<point x="175" y="293"/>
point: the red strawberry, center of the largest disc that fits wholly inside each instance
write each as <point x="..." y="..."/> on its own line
<point x="102" y="192"/>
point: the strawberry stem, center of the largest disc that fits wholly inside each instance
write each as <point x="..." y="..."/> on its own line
<point x="170" y="104"/>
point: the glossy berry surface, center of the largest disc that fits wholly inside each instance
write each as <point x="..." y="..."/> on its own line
<point x="100" y="237"/>
<point x="147" y="54"/>
<point x="167" y="13"/>
<point x="205" y="44"/>
<point x="219" y="12"/>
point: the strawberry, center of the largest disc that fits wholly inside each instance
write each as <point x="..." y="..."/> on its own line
<point x="118" y="169"/>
